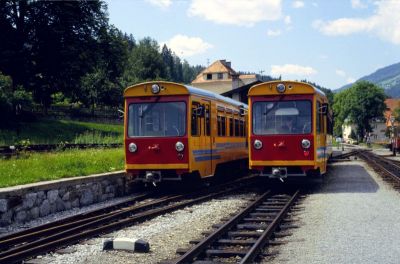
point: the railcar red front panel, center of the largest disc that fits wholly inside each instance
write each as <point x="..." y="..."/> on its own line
<point x="156" y="149"/>
<point x="282" y="147"/>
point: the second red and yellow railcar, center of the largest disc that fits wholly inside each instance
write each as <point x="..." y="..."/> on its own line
<point x="175" y="131"/>
<point x="290" y="129"/>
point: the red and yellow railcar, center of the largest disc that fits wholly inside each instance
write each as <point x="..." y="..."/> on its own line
<point x="175" y="131"/>
<point x="290" y="129"/>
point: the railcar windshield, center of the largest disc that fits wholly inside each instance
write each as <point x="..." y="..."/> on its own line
<point x="164" y="119"/>
<point x="282" y="117"/>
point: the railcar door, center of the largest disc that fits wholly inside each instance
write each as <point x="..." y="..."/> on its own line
<point x="201" y="137"/>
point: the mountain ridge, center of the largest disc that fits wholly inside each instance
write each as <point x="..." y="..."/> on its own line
<point x="387" y="78"/>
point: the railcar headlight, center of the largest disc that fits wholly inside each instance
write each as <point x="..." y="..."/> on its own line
<point x="281" y="88"/>
<point x="155" y="88"/>
<point x="132" y="147"/>
<point x="305" y="143"/>
<point x="257" y="144"/>
<point x="179" y="146"/>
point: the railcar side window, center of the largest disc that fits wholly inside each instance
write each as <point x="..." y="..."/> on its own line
<point x="231" y="134"/>
<point x="195" y="120"/>
<point x="221" y="126"/>
<point x="157" y="119"/>
<point x="241" y="128"/>
<point x="237" y="128"/>
<point x="282" y="117"/>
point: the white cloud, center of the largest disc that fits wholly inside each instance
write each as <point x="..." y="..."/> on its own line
<point x="340" y="73"/>
<point x="342" y="26"/>
<point x="298" y="4"/>
<point x="187" y="46"/>
<point x="237" y="12"/>
<point x="160" y="3"/>
<point x="292" y="69"/>
<point x="344" y="75"/>
<point x="287" y="20"/>
<point x="273" y="33"/>
<point x="351" y="80"/>
<point x="357" y="4"/>
<point x="385" y="23"/>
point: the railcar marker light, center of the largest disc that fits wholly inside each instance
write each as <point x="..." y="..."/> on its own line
<point x="155" y="88"/>
<point x="306" y="144"/>
<point x="281" y="88"/>
<point x="132" y="147"/>
<point x="179" y="146"/>
<point x="257" y="144"/>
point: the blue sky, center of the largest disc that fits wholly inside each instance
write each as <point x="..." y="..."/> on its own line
<point x="330" y="42"/>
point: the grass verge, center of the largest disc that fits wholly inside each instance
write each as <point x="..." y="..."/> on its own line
<point x="61" y="131"/>
<point x="51" y="166"/>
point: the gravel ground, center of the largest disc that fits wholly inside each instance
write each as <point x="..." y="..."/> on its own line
<point x="353" y="218"/>
<point x="164" y="233"/>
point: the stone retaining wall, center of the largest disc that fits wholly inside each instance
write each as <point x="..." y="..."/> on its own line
<point x="27" y="202"/>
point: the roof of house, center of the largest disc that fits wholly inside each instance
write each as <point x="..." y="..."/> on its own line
<point x="219" y="66"/>
<point x="392" y="103"/>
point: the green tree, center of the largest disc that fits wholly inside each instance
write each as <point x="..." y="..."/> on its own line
<point x="13" y="101"/>
<point x="359" y="105"/>
<point x="145" y="63"/>
<point x="50" y="44"/>
<point x="168" y="60"/>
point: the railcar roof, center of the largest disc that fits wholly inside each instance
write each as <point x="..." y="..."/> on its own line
<point x="253" y="90"/>
<point x="188" y="90"/>
<point x="197" y="91"/>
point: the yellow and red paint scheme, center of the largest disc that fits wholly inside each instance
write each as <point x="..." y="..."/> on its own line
<point x="203" y="154"/>
<point x="285" y="151"/>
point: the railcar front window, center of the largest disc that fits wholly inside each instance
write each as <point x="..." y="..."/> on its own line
<point x="157" y="119"/>
<point x="283" y="117"/>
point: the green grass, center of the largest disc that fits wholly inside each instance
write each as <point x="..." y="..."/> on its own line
<point x="56" y="132"/>
<point x="51" y="166"/>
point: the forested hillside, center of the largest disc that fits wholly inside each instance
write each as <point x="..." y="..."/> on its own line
<point x="387" y="78"/>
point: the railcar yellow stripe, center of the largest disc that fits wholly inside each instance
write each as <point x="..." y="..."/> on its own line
<point x="282" y="163"/>
<point x="156" y="166"/>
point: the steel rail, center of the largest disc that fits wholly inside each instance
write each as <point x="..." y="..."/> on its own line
<point x="257" y="245"/>
<point x="102" y="225"/>
<point x="264" y="238"/>
<point x="49" y="228"/>
<point x="377" y="160"/>
<point x="199" y="248"/>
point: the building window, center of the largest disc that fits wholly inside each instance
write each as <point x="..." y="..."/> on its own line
<point x="209" y="76"/>
<point x="220" y="76"/>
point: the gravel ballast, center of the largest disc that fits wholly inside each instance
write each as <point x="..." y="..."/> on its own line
<point x="165" y="234"/>
<point x="353" y="218"/>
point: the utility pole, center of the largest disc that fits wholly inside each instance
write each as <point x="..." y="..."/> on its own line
<point x="392" y="120"/>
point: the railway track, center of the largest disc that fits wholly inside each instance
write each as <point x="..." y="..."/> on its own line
<point x="29" y="243"/>
<point x="245" y="235"/>
<point x="345" y="156"/>
<point x="390" y="170"/>
<point x="15" y="149"/>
